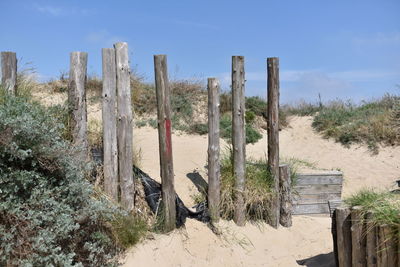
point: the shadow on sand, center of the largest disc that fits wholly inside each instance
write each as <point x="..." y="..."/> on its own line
<point x="198" y="181"/>
<point x="321" y="260"/>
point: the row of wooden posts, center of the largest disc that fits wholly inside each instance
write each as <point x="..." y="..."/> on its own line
<point x="118" y="127"/>
<point x="359" y="242"/>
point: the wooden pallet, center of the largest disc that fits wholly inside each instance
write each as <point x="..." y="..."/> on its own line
<point x="312" y="192"/>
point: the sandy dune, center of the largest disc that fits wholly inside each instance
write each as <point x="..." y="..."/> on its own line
<point x="252" y="245"/>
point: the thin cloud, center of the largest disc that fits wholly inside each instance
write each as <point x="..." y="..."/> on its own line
<point x="103" y="37"/>
<point x="58" y="11"/>
<point x="378" y="39"/>
<point x="53" y="11"/>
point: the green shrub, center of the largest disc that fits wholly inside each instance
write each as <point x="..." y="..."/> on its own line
<point x="49" y="214"/>
<point x="252" y="135"/>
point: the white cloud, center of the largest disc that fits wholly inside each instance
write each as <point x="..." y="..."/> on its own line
<point x="57" y="11"/>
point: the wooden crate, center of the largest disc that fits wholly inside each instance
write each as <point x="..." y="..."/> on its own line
<point x="312" y="192"/>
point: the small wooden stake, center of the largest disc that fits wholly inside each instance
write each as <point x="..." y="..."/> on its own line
<point x="273" y="134"/>
<point x="343" y="225"/>
<point x="165" y="142"/>
<point x="125" y="126"/>
<point x="238" y="138"/>
<point x="77" y="102"/>
<point x="213" y="149"/>
<point x="286" y="208"/>
<point x="9" y="71"/>
<point x="110" y="165"/>
<point x="358" y="238"/>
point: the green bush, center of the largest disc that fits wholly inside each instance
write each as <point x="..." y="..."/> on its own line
<point x="49" y="213"/>
<point x="252" y="135"/>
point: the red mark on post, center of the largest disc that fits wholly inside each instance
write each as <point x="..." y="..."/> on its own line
<point x="168" y="136"/>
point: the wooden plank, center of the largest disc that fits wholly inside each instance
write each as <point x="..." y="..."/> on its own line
<point x="334" y="237"/>
<point x="77" y="102"/>
<point x="358" y="239"/>
<point x="110" y="149"/>
<point x="343" y="233"/>
<point x="315" y="189"/>
<point x="333" y="205"/>
<point x="213" y="149"/>
<point x="273" y="133"/>
<point x="320" y="208"/>
<point x="314" y="198"/>
<point x="286" y="208"/>
<point x="323" y="179"/>
<point x="386" y="256"/>
<point x="165" y="141"/>
<point x="371" y="241"/>
<point x="238" y="137"/>
<point x="9" y="71"/>
<point x="124" y="126"/>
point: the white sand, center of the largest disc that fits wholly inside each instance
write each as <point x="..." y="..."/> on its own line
<point x="196" y="245"/>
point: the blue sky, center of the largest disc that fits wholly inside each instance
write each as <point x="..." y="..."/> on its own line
<point x="341" y="49"/>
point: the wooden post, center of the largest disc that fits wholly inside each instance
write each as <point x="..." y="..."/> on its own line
<point x="386" y="256"/>
<point x="110" y="149"/>
<point x="285" y="190"/>
<point x="77" y="102"/>
<point x="165" y="142"/>
<point x="9" y="71"/>
<point x="358" y="238"/>
<point x="334" y="237"/>
<point x="238" y="138"/>
<point x="371" y="241"/>
<point x="213" y="149"/>
<point x="273" y="134"/>
<point x="124" y="126"/>
<point x="343" y="225"/>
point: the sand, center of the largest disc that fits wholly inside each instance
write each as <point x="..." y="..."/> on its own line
<point x="257" y="245"/>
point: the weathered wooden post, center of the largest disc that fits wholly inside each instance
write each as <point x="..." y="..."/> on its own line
<point x="358" y="238"/>
<point x="77" y="102"/>
<point x="371" y="241"/>
<point x="165" y="142"/>
<point x="9" y="71"/>
<point x="213" y="149"/>
<point x="343" y="224"/>
<point x="124" y="126"/>
<point x="285" y="190"/>
<point x="386" y="256"/>
<point x="239" y="138"/>
<point x="110" y="147"/>
<point x="273" y="134"/>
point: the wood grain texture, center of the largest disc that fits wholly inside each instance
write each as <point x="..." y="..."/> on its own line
<point x="9" y="71"/>
<point x="124" y="126"/>
<point x="273" y="133"/>
<point x="371" y="241"/>
<point x="319" y="179"/>
<point x="214" y="187"/>
<point x="239" y="137"/>
<point x="110" y="147"/>
<point x="164" y="139"/>
<point x="285" y="192"/>
<point x="77" y="102"/>
<point x="386" y="255"/>
<point x="358" y="237"/>
<point x="343" y="232"/>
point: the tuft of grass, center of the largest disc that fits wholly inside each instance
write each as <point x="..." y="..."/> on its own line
<point x="385" y="206"/>
<point x="128" y="230"/>
<point x="258" y="189"/>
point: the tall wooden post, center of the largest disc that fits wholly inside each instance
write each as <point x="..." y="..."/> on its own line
<point x="273" y="134"/>
<point x="371" y="241"/>
<point x="110" y="149"/>
<point x="358" y="238"/>
<point x="285" y="190"/>
<point x="165" y="142"/>
<point x="125" y="124"/>
<point x="213" y="149"/>
<point x="343" y="226"/>
<point x="77" y="102"/>
<point x="239" y="138"/>
<point x="9" y="71"/>
<point x="387" y="255"/>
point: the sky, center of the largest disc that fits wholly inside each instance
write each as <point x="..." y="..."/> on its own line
<point x="345" y="49"/>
